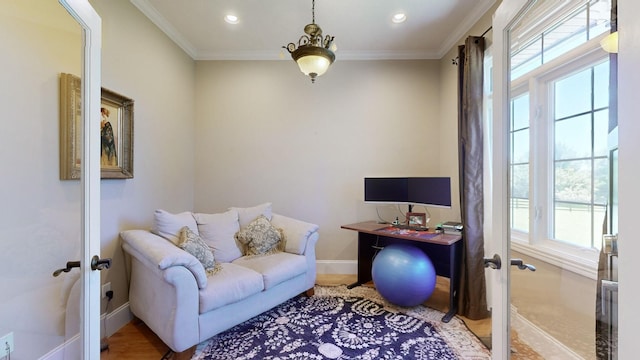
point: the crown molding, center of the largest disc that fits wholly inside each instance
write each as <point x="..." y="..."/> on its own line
<point x="469" y="21"/>
<point x="150" y="12"/>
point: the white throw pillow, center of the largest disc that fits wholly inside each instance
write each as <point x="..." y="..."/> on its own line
<point x="218" y="231"/>
<point x="247" y="215"/>
<point x="168" y="225"/>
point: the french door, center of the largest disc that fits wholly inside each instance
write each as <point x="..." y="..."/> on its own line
<point x="540" y="306"/>
<point x="49" y="292"/>
<point x="91" y="24"/>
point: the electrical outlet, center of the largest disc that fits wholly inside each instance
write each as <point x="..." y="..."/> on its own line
<point x="106" y="287"/>
<point x="6" y="345"/>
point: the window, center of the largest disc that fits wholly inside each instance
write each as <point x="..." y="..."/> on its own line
<point x="580" y="162"/>
<point x="519" y="136"/>
<point x="559" y="164"/>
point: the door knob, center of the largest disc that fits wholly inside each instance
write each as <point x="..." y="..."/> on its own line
<point x="100" y="264"/>
<point x="494" y="262"/>
<point x="70" y="265"/>
<point x="521" y="265"/>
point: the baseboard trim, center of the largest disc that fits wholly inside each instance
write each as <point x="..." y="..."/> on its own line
<point x="114" y="321"/>
<point x="337" y="266"/>
<point x="544" y="344"/>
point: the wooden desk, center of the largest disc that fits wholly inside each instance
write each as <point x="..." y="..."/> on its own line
<point x="445" y="252"/>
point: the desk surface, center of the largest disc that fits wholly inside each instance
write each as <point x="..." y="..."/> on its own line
<point x="372" y="227"/>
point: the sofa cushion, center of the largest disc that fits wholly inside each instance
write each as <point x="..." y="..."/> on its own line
<point x="248" y="214"/>
<point x="275" y="268"/>
<point x="232" y="283"/>
<point x="218" y="231"/>
<point x="194" y="245"/>
<point x="260" y="237"/>
<point x="168" y="225"/>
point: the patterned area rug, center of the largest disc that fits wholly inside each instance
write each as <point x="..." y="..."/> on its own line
<point x="338" y="323"/>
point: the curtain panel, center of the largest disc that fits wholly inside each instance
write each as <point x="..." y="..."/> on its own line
<point x="472" y="299"/>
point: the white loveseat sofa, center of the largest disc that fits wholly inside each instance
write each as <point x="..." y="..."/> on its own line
<point x="171" y="292"/>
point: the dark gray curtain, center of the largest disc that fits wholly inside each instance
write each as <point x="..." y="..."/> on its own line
<point x="472" y="299"/>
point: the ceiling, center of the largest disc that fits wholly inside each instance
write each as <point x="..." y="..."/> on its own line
<point x="363" y="29"/>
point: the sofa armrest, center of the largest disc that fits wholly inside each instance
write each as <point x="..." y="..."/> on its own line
<point x="296" y="232"/>
<point x="155" y="251"/>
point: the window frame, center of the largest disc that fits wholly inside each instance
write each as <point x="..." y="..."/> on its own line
<point x="538" y="83"/>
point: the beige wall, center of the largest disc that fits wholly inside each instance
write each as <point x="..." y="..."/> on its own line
<point x="140" y="62"/>
<point x="265" y="133"/>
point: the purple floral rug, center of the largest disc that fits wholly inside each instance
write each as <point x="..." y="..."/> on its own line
<point x="338" y="323"/>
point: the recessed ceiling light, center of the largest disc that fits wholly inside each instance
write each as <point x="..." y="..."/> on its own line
<point x="231" y="19"/>
<point x="398" y="18"/>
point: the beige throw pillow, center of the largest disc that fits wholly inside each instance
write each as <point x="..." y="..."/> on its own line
<point x="194" y="245"/>
<point x="260" y="237"/>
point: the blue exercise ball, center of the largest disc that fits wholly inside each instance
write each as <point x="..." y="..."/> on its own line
<point x="403" y="274"/>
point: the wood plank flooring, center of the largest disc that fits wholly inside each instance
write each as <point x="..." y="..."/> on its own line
<point x="136" y="341"/>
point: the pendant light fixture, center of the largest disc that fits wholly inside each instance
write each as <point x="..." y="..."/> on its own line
<point x="314" y="53"/>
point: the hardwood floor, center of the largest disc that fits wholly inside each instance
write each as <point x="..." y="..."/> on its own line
<point x="136" y="341"/>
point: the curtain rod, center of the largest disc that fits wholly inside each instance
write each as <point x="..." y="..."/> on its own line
<point x="454" y="61"/>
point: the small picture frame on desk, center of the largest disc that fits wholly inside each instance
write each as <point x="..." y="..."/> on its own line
<point x="417" y="220"/>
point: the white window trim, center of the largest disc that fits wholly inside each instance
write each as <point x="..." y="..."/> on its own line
<point x="580" y="260"/>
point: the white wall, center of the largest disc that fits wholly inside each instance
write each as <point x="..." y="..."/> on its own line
<point x="39" y="219"/>
<point x="629" y="166"/>
<point x="265" y="133"/>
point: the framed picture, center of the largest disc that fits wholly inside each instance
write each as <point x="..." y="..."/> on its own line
<point x="116" y="132"/>
<point x="416" y="219"/>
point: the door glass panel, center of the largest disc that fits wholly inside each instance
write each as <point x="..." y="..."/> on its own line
<point x="562" y="171"/>
<point x="40" y="222"/>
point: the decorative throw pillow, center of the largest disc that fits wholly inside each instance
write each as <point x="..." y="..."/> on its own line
<point x="194" y="245"/>
<point x="247" y="215"/>
<point x="218" y="231"/>
<point x="260" y="237"/>
<point x="168" y="225"/>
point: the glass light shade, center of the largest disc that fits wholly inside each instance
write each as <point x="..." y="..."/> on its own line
<point x="313" y="61"/>
<point x="311" y="64"/>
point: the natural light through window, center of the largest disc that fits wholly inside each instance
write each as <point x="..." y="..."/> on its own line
<point x="581" y="166"/>
<point x="559" y="113"/>
<point x="519" y="134"/>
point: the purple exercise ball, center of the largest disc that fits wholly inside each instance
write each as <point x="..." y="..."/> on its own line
<point x="403" y="274"/>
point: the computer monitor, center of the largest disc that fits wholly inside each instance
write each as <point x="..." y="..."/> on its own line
<point x="430" y="191"/>
<point x="426" y="191"/>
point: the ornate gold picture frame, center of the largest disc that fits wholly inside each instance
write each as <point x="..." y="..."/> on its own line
<point x="116" y="160"/>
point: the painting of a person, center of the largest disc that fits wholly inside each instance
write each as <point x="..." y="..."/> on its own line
<point x="108" y="154"/>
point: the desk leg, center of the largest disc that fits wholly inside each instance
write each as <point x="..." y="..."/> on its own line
<point x="365" y="258"/>
<point x="455" y="259"/>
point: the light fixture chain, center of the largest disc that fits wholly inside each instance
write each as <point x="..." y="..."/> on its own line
<point x="313" y="11"/>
